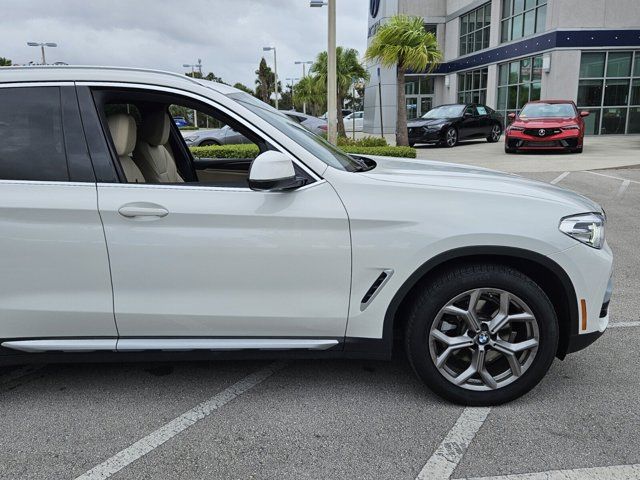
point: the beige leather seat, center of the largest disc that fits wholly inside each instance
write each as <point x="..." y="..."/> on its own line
<point x="123" y="133"/>
<point x="151" y="155"/>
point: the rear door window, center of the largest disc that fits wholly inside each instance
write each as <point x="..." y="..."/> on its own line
<point x="31" y="136"/>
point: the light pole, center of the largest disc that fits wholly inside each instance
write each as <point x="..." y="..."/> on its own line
<point x="304" y="64"/>
<point x="193" y="67"/>
<point x="275" y="70"/>
<point x="292" y="80"/>
<point x="42" y="45"/>
<point x="332" y="81"/>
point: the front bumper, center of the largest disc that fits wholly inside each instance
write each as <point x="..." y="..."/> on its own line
<point x="561" y="141"/>
<point x="420" y="135"/>
<point x="590" y="271"/>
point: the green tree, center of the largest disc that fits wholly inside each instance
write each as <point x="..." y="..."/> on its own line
<point x="244" y="88"/>
<point x="5" y="62"/>
<point x="308" y="91"/>
<point x="265" y="81"/>
<point x="404" y="43"/>
<point x="348" y="70"/>
<point x="209" y="76"/>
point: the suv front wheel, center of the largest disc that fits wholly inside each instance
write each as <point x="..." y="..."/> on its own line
<point x="481" y="335"/>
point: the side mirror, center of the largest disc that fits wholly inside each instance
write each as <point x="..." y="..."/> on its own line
<point x="584" y="113"/>
<point x="273" y="171"/>
<point x="512" y="116"/>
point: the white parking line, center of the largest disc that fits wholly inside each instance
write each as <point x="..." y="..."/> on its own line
<point x="622" y="188"/>
<point x="559" y="178"/>
<point x="447" y="456"/>
<point x="624" y="324"/>
<point x="174" y="427"/>
<point x="616" y="472"/>
<point x="610" y="176"/>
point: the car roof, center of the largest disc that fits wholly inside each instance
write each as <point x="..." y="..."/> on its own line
<point x="66" y="73"/>
<point x="552" y="101"/>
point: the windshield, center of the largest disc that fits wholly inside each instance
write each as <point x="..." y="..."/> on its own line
<point x="315" y="144"/>
<point x="547" y="110"/>
<point x="445" y="111"/>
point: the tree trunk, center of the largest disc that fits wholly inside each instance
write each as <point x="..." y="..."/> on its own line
<point x="402" y="136"/>
<point x="341" y="131"/>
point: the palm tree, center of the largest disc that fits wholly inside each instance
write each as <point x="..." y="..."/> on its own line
<point x="348" y="69"/>
<point x="5" y="62"/>
<point x="403" y="42"/>
<point x="308" y="91"/>
<point x="264" y="82"/>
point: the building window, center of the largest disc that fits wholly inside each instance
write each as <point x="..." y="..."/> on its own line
<point x="521" y="18"/>
<point x="609" y="88"/>
<point x="474" y="29"/>
<point x="472" y="86"/>
<point x="518" y="83"/>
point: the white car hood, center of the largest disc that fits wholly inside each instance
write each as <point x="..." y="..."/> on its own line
<point x="453" y="175"/>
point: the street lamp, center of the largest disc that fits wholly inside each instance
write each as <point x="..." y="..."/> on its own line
<point x="292" y="80"/>
<point x="42" y="45"/>
<point x="304" y="64"/>
<point x="193" y="71"/>
<point x="275" y="70"/>
<point x="332" y="80"/>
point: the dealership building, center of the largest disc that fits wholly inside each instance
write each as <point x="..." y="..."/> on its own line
<point x="504" y="53"/>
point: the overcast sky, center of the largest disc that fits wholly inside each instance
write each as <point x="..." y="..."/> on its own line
<point x="228" y="35"/>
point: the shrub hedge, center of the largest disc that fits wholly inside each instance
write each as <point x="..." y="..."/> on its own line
<point x="251" y="151"/>
<point x="362" y="142"/>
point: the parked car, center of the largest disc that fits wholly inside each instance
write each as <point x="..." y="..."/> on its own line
<point x="214" y="136"/>
<point x="355" y="119"/>
<point x="313" y="124"/>
<point x="345" y="112"/>
<point x="448" y="124"/>
<point x="118" y="244"/>
<point x="546" y="125"/>
<point x="180" y="121"/>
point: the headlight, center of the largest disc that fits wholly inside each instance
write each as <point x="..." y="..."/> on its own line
<point x="587" y="228"/>
<point x="516" y="129"/>
<point x="190" y="138"/>
<point x="570" y="127"/>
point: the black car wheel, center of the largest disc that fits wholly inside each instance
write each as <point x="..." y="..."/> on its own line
<point x="481" y="334"/>
<point x="411" y="144"/>
<point x="510" y="150"/>
<point x="494" y="136"/>
<point x="208" y="143"/>
<point x="577" y="150"/>
<point x="450" y="137"/>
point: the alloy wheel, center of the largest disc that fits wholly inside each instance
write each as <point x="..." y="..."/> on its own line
<point x="495" y="133"/>
<point x="484" y="339"/>
<point x="452" y="137"/>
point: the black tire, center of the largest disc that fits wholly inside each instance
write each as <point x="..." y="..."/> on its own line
<point x="510" y="150"/>
<point x="208" y="143"/>
<point x="451" y="131"/>
<point x="412" y="144"/>
<point x="492" y="137"/>
<point x="577" y="150"/>
<point x="435" y="294"/>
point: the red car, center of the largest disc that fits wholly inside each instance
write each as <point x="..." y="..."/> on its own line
<point x="546" y="125"/>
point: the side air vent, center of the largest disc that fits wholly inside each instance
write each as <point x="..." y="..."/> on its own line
<point x="375" y="288"/>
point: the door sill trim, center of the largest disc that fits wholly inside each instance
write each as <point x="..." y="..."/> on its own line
<point x="168" y="344"/>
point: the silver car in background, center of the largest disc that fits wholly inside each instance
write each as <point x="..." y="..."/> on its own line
<point x="228" y="136"/>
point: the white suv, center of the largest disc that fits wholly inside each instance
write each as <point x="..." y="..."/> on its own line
<point x="116" y="242"/>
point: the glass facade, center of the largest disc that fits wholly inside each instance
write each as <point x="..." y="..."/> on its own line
<point x="518" y="83"/>
<point x="609" y="88"/>
<point x="472" y="86"/>
<point x="521" y="18"/>
<point x="474" y="29"/>
<point x="419" y="95"/>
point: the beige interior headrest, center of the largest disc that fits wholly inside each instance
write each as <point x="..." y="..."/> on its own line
<point x="123" y="133"/>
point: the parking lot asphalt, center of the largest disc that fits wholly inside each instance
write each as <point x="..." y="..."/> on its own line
<point x="340" y="419"/>
<point x="597" y="155"/>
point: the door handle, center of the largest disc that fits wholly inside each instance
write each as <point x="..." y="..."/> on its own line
<point x="142" y="209"/>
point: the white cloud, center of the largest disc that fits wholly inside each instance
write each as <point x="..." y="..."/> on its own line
<point x="228" y="35"/>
